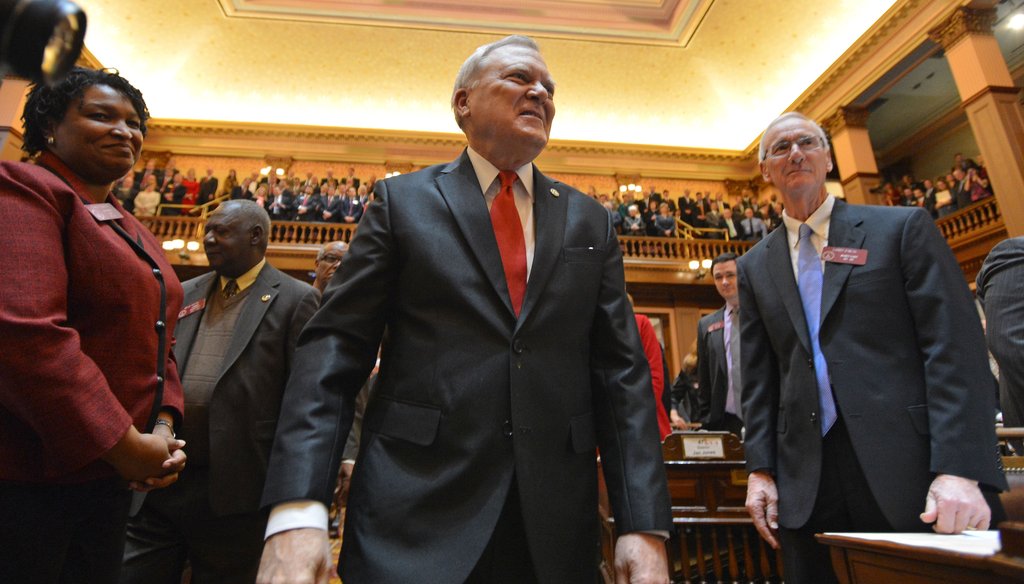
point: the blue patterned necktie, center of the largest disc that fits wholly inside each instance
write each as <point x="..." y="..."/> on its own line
<point x="810" y="279"/>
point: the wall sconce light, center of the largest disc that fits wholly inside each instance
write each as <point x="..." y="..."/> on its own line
<point x="700" y="267"/>
<point x="184" y="249"/>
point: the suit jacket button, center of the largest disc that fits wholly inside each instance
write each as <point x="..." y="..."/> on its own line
<point x="160" y="325"/>
<point x="517" y="347"/>
<point x="810" y="363"/>
<point x="814" y="417"/>
<point x="508" y="428"/>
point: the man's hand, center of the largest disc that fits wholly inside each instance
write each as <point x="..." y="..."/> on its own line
<point x="763" y="505"/>
<point x="640" y="559"/>
<point x="296" y="556"/>
<point x="954" y="504"/>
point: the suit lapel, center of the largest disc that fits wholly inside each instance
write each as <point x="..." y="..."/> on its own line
<point x="185" y="333"/>
<point x="843" y="231"/>
<point x="549" y="212"/>
<point x="255" y="307"/>
<point x="718" y="341"/>
<point x="780" y="270"/>
<point x="461" y="191"/>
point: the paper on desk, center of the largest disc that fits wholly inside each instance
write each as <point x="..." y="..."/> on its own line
<point x="979" y="543"/>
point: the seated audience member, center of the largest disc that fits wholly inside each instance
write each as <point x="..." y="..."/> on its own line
<point x="633" y="223"/>
<point x="627" y="201"/>
<point x="665" y="222"/>
<point x="944" y="203"/>
<point x="364" y="195"/>
<point x="907" y="198"/>
<point x="754" y="228"/>
<point x="146" y="201"/>
<point x="308" y="205"/>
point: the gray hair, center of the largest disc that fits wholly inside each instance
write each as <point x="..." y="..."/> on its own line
<point x="467" y="76"/>
<point x="251" y="213"/>
<point x="323" y="250"/>
<point x="762" y="148"/>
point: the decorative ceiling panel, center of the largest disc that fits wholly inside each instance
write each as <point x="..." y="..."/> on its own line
<point x="653" y="22"/>
<point x="748" y="61"/>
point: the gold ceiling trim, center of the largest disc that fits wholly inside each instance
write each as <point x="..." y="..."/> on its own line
<point x="657" y="22"/>
<point x="314" y="134"/>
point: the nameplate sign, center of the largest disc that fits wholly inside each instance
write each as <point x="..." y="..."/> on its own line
<point x="703" y="447"/>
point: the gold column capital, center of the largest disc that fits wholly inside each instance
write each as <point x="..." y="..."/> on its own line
<point x="962" y="22"/>
<point x="847" y="116"/>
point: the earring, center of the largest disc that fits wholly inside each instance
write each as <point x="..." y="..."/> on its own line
<point x="49" y="140"/>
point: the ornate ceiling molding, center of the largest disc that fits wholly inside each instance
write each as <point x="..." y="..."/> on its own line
<point x="963" y="22"/>
<point x="850" y="116"/>
<point x="644" y="22"/>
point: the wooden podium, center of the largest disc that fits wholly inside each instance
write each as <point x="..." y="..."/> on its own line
<point x="714" y="539"/>
<point x="860" y="561"/>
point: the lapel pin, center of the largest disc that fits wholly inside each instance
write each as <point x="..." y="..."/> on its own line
<point x="554" y="192"/>
<point x="265" y="298"/>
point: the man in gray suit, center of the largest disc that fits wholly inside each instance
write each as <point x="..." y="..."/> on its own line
<point x="867" y="397"/>
<point x="999" y="289"/>
<point x="511" y="354"/>
<point x="235" y="339"/>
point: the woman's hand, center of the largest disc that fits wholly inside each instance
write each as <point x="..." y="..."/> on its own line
<point x="138" y="456"/>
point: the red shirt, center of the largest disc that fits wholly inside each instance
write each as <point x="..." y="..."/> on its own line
<point x="652" y="349"/>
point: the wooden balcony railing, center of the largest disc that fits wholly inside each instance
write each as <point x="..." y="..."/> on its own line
<point x="971" y="233"/>
<point x="678" y="250"/>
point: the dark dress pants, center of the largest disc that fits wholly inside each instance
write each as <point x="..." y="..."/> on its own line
<point x="177" y="523"/>
<point x="844" y="503"/>
<point x="506" y="559"/>
<point x="62" y="533"/>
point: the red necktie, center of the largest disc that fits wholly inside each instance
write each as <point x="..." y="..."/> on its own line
<point x="508" y="231"/>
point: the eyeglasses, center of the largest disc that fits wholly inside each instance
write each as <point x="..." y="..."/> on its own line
<point x="331" y="259"/>
<point x="804" y="143"/>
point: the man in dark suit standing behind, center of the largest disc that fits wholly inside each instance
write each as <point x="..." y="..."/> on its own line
<point x="235" y="339"/>
<point x="999" y="289"/>
<point x="718" y="359"/>
<point x="511" y="354"/>
<point x="867" y="397"/>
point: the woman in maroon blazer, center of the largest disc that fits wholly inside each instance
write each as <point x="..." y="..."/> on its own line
<point x="89" y="392"/>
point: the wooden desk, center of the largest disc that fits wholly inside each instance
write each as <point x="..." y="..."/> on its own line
<point x="859" y="561"/>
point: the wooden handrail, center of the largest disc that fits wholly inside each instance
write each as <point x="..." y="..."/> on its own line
<point x="689" y="230"/>
<point x="963" y="223"/>
<point x="678" y="250"/>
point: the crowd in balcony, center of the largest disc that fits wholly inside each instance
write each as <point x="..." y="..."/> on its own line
<point x="286" y="198"/>
<point x="658" y="214"/>
<point x="965" y="184"/>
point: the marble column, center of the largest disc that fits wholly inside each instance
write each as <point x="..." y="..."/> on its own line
<point x="992" y="104"/>
<point x="854" y="154"/>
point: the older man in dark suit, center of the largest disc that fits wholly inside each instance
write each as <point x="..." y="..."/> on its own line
<point x="511" y="354"/>
<point x="866" y="391"/>
<point x="235" y="339"/>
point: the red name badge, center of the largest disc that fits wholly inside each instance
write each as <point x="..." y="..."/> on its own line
<point x="104" y="211"/>
<point x="845" y="255"/>
<point x="192" y="308"/>
<point x="718" y="325"/>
